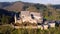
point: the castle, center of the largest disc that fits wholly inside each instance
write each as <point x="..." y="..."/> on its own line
<point x="33" y="18"/>
<point x="27" y="16"/>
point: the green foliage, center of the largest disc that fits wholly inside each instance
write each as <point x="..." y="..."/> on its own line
<point x="15" y="31"/>
<point x="10" y="30"/>
<point x="5" y="19"/>
<point x="5" y="29"/>
<point x="50" y="13"/>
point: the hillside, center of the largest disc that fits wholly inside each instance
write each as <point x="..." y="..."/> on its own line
<point x="18" y="6"/>
<point x="56" y="6"/>
<point x="5" y="4"/>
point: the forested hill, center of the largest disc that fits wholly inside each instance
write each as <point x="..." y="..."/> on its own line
<point x="7" y="13"/>
<point x="49" y="12"/>
<point x="18" y="6"/>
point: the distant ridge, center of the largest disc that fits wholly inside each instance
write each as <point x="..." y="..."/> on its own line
<point x="19" y="6"/>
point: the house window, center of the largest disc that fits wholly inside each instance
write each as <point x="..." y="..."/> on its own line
<point x="32" y="16"/>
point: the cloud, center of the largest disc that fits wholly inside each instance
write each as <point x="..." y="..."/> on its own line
<point x="43" y="1"/>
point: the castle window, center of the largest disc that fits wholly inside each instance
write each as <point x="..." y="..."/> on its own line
<point x="32" y="16"/>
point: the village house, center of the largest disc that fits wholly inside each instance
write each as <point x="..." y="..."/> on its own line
<point x="51" y="25"/>
<point x="45" y="27"/>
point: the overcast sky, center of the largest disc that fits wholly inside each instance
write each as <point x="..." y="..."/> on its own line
<point x="35" y="1"/>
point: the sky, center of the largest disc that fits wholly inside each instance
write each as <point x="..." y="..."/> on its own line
<point x="35" y="1"/>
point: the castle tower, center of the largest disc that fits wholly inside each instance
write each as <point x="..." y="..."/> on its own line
<point x="15" y="18"/>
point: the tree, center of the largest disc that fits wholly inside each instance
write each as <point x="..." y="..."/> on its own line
<point x="5" y="19"/>
<point x="32" y="9"/>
